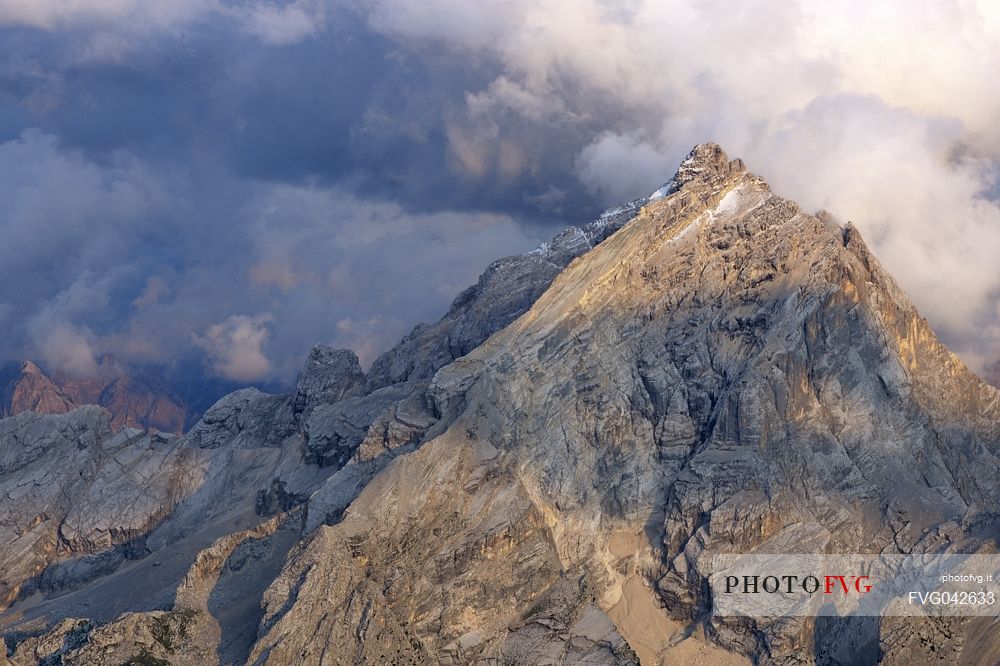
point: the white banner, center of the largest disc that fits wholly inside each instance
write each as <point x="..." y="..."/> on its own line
<point x="856" y="584"/>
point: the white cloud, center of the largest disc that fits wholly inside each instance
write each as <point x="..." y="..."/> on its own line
<point x="56" y="14"/>
<point x="68" y="349"/>
<point x="117" y="27"/>
<point x="54" y="334"/>
<point x="235" y="347"/>
<point x="278" y="24"/>
<point x="362" y="272"/>
<point x="895" y="173"/>
<point x="620" y="166"/>
<point x="884" y="113"/>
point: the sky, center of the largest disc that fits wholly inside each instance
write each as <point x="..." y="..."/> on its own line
<point x="228" y="183"/>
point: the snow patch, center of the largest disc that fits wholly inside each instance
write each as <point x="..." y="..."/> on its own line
<point x="730" y="203"/>
<point x="618" y="210"/>
<point x="543" y="248"/>
<point x="663" y="191"/>
<point x="697" y="222"/>
<point x="594" y="229"/>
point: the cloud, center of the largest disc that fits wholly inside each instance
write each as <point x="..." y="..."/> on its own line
<point x="359" y="272"/>
<point x="276" y="274"/>
<point x="618" y="166"/>
<point x="156" y="264"/>
<point x="918" y="199"/>
<point x="65" y="213"/>
<point x="68" y="349"/>
<point x="884" y="114"/>
<point x="55" y="335"/>
<point x="114" y="28"/>
<point x="279" y="24"/>
<point x="156" y="289"/>
<point x="70" y="235"/>
<point x="674" y="56"/>
<point x="366" y="337"/>
<point x="355" y="175"/>
<point x="235" y="347"/>
<point x="55" y="14"/>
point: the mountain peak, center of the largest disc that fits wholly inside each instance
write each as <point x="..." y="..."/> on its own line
<point x="706" y="155"/>
<point x="706" y="164"/>
<point x="33" y="391"/>
<point x="134" y="398"/>
<point x="30" y="368"/>
<point x="714" y="372"/>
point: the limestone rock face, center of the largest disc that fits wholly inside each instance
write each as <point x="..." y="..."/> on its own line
<point x="32" y="391"/>
<point x="542" y="476"/>
<point x="725" y="373"/>
<point x="329" y="375"/>
<point x="97" y="523"/>
<point x="143" y="402"/>
<point x="244" y="419"/>
<point x="79" y="499"/>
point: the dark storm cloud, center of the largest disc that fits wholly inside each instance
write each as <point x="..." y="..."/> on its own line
<point x="346" y="105"/>
<point x="232" y="182"/>
<point x="203" y="192"/>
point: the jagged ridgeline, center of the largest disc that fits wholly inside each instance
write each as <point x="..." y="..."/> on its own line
<point x="542" y="476"/>
<point x="142" y="400"/>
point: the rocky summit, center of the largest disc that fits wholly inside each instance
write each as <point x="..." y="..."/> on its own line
<point x="135" y="399"/>
<point x="542" y="476"/>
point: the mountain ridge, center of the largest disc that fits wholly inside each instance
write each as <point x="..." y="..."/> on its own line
<point x="135" y="397"/>
<point x="721" y="372"/>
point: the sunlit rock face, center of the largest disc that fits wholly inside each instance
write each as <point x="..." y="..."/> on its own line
<point x="543" y="475"/>
<point x="134" y="399"/>
<point x="32" y="391"/>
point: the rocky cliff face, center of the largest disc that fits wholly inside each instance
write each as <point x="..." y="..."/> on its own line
<point x="31" y="391"/>
<point x="541" y="476"/>
<point x="134" y="399"/>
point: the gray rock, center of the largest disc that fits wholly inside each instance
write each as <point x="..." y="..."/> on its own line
<point x="725" y="374"/>
<point x="245" y="419"/>
<point x="709" y="370"/>
<point x="329" y="375"/>
<point x="78" y="499"/>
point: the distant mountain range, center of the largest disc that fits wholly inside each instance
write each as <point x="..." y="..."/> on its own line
<point x="135" y="397"/>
